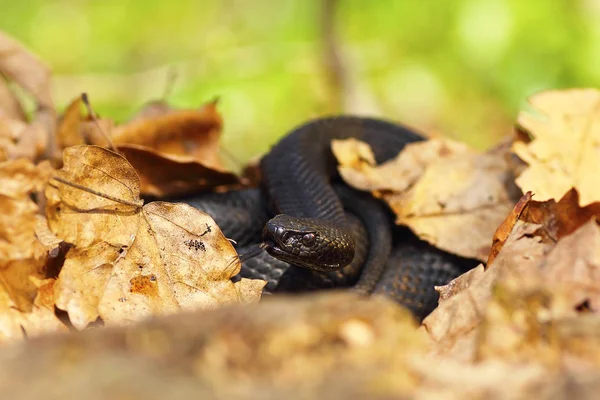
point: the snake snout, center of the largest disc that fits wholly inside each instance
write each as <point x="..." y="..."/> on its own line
<point x="306" y="242"/>
<point x="271" y="234"/>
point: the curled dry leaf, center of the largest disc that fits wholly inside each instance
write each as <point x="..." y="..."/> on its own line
<point x="164" y="174"/>
<point x="191" y="133"/>
<point x="448" y="194"/>
<point x="560" y="218"/>
<point x="573" y="266"/>
<point x="506" y="226"/>
<point x="75" y="128"/>
<point x="173" y="151"/>
<point x="130" y="262"/>
<point x="536" y="283"/>
<point x="565" y="150"/>
<point x="69" y="126"/>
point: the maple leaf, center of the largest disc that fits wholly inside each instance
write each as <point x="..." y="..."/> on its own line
<point x="565" y="150"/>
<point x="131" y="261"/>
<point x="448" y="194"/>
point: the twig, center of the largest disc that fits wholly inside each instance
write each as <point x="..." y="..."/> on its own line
<point x="84" y="98"/>
<point x="332" y="57"/>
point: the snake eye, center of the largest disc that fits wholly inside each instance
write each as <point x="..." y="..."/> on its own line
<point x="308" y="239"/>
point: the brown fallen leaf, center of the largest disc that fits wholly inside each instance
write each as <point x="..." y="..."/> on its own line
<point x="22" y="255"/>
<point x="565" y="150"/>
<point x="32" y="143"/>
<point x="84" y="218"/>
<point x="560" y="218"/>
<point x="10" y="106"/>
<point x="174" y="152"/>
<point x="69" y="132"/>
<point x="573" y="266"/>
<point x="454" y="325"/>
<point x="163" y="174"/>
<point x="506" y="226"/>
<point x="21" y="140"/>
<point x="511" y="311"/>
<point x="524" y="317"/>
<point x="26" y="70"/>
<point x="448" y="194"/>
<point x="190" y="133"/>
<point x="129" y="261"/>
<point x="10" y="132"/>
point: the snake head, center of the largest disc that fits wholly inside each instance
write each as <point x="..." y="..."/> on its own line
<point x="308" y="242"/>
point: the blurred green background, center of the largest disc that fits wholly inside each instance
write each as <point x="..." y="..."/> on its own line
<point x="460" y="68"/>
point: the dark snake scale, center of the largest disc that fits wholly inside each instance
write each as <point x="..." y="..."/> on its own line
<point x="321" y="234"/>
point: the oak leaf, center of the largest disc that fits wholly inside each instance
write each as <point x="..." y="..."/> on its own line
<point x="565" y="150"/>
<point x="448" y="194"/>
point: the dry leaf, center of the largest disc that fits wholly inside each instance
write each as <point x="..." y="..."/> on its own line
<point x="130" y="262"/>
<point x="164" y="174"/>
<point x="69" y="132"/>
<point x="562" y="218"/>
<point x="573" y="266"/>
<point x="10" y="107"/>
<point x="10" y="132"/>
<point x="565" y="151"/>
<point x="507" y="225"/>
<point x="22" y="255"/>
<point x="511" y="311"/>
<point x="32" y="143"/>
<point x="190" y="133"/>
<point x="26" y="70"/>
<point x="83" y="218"/>
<point x="453" y="325"/>
<point x="449" y="195"/>
<point x="174" y="152"/>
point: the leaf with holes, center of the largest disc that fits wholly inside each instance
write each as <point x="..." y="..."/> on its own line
<point x="132" y="261"/>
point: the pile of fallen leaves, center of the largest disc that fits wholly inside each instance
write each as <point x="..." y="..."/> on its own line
<point x="79" y="249"/>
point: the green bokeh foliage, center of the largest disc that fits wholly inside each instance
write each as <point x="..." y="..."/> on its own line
<point x="462" y="68"/>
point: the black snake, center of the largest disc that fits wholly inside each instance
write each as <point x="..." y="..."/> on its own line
<point x="321" y="234"/>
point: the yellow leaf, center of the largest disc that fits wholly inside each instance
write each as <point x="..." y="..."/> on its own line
<point x="131" y="262"/>
<point x="448" y="194"/>
<point x="565" y="150"/>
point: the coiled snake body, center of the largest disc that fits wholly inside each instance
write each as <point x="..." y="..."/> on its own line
<point x="322" y="234"/>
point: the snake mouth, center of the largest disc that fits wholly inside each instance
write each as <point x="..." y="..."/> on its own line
<point x="270" y="244"/>
<point x="272" y="248"/>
